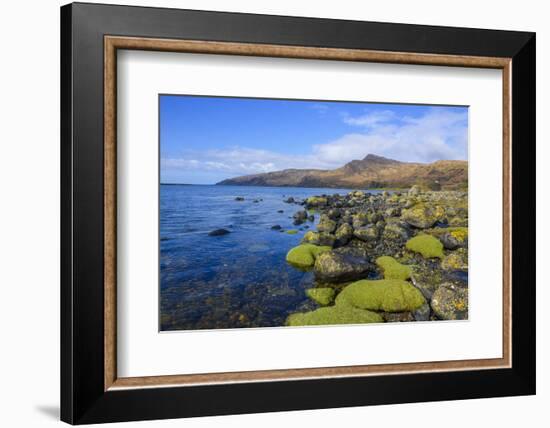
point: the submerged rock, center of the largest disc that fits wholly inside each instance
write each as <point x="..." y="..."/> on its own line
<point x="300" y="217"/>
<point x="388" y="295"/>
<point x="450" y="302"/>
<point x="342" y="264"/>
<point x="276" y="227"/>
<point x="239" y="198"/>
<point x="218" y="232"/>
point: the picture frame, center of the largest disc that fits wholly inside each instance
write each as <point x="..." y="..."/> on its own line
<point x="91" y="35"/>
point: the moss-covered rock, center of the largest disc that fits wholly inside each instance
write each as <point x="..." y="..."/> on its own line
<point x="421" y="216"/>
<point x="450" y="302"/>
<point x="392" y="269"/>
<point x="388" y="295"/>
<point x="332" y="315"/>
<point x="292" y="232"/>
<point x="323" y="296"/>
<point x="427" y="245"/>
<point x="318" y="238"/>
<point x="457" y="260"/>
<point x="304" y="255"/>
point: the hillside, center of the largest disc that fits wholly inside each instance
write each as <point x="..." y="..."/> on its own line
<point x="371" y="172"/>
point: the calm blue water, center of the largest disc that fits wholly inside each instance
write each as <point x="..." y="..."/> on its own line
<point x="237" y="280"/>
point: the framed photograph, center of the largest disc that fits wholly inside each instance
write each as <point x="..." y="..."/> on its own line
<point x="266" y="213"/>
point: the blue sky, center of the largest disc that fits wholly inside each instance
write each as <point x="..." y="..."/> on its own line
<point x="204" y="140"/>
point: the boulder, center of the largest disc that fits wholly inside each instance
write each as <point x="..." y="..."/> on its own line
<point x="450" y="302"/>
<point x="318" y="238"/>
<point x="343" y="234"/>
<point x="326" y="224"/>
<point x="457" y="260"/>
<point x="342" y="264"/>
<point x="316" y="201"/>
<point x="368" y="233"/>
<point x="421" y="216"/>
<point x="456" y="237"/>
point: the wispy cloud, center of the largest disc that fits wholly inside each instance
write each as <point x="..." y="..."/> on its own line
<point x="438" y="134"/>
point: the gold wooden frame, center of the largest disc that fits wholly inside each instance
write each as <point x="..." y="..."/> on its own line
<point x="113" y="43"/>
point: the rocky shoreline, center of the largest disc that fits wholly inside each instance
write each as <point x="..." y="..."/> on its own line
<point x="399" y="256"/>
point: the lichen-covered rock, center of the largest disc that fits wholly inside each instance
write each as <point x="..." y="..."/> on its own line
<point x="304" y="255"/>
<point x="326" y="224"/>
<point x="426" y="245"/>
<point x="316" y="201"/>
<point x="360" y="219"/>
<point x="457" y="260"/>
<point x="342" y="264"/>
<point x="323" y="296"/>
<point x="332" y="315"/>
<point x="395" y="231"/>
<point x="392" y="269"/>
<point x="450" y="302"/>
<point x="343" y="234"/>
<point x="318" y="238"/>
<point x="368" y="233"/>
<point x="388" y="295"/>
<point x="421" y="216"/>
<point x="456" y="237"/>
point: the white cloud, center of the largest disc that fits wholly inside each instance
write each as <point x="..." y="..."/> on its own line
<point x="370" y="119"/>
<point x="439" y="134"/>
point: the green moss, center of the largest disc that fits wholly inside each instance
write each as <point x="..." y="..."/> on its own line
<point x="323" y="296"/>
<point x="388" y="295"/>
<point x="334" y="315"/>
<point x="392" y="269"/>
<point x="292" y="232"/>
<point x="426" y="245"/>
<point x="304" y="255"/>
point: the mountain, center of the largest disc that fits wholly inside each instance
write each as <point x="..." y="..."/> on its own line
<point x="371" y="172"/>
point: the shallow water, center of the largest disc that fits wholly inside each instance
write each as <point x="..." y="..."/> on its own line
<point x="236" y="280"/>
